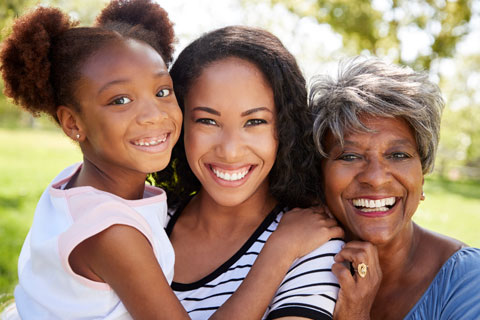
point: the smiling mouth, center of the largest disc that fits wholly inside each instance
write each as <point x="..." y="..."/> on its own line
<point x="379" y="205"/>
<point x="153" y="141"/>
<point x="231" y="175"/>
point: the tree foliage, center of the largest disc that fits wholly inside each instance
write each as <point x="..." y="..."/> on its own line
<point x="83" y="10"/>
<point x="377" y="26"/>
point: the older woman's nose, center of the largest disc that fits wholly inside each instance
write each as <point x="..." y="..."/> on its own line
<point x="375" y="173"/>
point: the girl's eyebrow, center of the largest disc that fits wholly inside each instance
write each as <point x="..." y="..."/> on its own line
<point x="249" y="112"/>
<point x="126" y="80"/>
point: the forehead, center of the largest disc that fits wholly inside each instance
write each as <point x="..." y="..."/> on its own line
<point x="231" y="67"/>
<point x="232" y="82"/>
<point x="119" y="57"/>
<point x="381" y="130"/>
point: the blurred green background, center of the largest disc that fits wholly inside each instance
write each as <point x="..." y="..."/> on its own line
<point x="33" y="150"/>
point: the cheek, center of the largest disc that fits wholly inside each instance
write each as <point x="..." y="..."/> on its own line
<point x="177" y="118"/>
<point x="266" y="145"/>
<point x="197" y="144"/>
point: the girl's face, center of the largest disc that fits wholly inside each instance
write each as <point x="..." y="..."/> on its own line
<point x="230" y="122"/>
<point x="129" y="114"/>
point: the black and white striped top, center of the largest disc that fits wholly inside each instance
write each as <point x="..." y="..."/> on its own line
<point x="309" y="289"/>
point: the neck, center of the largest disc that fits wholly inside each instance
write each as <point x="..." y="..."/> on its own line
<point x="398" y="257"/>
<point x="217" y="218"/>
<point x="123" y="183"/>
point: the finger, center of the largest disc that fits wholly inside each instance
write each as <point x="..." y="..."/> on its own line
<point x="362" y="245"/>
<point x="329" y="213"/>
<point x="352" y="255"/>
<point x="335" y="232"/>
<point x="344" y="276"/>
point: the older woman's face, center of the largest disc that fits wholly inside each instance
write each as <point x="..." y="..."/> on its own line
<point x="374" y="183"/>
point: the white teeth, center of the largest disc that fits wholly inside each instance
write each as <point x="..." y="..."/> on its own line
<point x="368" y="205"/>
<point x="230" y="177"/>
<point x="150" y="142"/>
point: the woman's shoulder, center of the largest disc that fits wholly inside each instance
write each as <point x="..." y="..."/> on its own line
<point x="454" y="291"/>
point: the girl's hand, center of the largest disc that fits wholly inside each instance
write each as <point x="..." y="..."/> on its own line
<point x="303" y="230"/>
<point x="357" y="291"/>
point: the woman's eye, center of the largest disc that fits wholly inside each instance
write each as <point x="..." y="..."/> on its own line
<point x="348" y="157"/>
<point x="121" y="100"/>
<point x="255" y="122"/>
<point x="164" y="93"/>
<point x="206" y="121"/>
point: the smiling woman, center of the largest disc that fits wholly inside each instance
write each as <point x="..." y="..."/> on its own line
<point x="242" y="113"/>
<point x="377" y="129"/>
<point x="245" y="159"/>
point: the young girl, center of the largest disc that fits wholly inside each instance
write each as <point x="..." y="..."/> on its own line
<point x="249" y="145"/>
<point x="97" y="247"/>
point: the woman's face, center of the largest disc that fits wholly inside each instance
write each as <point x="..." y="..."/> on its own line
<point x="374" y="183"/>
<point x="129" y="114"/>
<point x="229" y="125"/>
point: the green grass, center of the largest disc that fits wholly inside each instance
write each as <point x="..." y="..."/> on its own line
<point x="30" y="159"/>
<point x="451" y="208"/>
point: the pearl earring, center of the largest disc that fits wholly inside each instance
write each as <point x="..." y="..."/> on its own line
<point x="422" y="197"/>
<point x="77" y="136"/>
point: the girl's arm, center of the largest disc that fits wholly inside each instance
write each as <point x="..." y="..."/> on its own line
<point x="122" y="257"/>
<point x="300" y="231"/>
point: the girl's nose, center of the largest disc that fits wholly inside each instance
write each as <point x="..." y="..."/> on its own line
<point x="151" y="112"/>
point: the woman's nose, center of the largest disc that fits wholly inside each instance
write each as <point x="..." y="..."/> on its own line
<point x="230" y="146"/>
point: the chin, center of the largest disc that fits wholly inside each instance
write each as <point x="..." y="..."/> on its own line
<point x="229" y="201"/>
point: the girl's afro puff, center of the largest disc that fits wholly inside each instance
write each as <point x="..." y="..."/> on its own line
<point x="146" y="14"/>
<point x="25" y="58"/>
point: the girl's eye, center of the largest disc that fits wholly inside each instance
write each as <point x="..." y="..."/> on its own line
<point x="348" y="157"/>
<point x="121" y="100"/>
<point x="255" y="122"/>
<point x="164" y="93"/>
<point x="206" y="121"/>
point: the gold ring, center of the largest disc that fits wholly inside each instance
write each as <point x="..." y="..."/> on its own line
<point x="362" y="270"/>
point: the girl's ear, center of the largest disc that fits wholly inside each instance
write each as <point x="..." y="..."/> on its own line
<point x="71" y="123"/>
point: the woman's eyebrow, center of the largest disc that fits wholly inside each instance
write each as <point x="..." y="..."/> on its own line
<point x="249" y="112"/>
<point x="207" y="109"/>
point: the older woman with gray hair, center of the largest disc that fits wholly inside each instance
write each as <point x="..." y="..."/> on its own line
<point x="377" y="130"/>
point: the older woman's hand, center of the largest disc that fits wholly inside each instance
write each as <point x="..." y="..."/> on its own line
<point x="357" y="291"/>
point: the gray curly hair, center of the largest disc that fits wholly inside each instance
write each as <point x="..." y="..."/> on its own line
<point x="373" y="87"/>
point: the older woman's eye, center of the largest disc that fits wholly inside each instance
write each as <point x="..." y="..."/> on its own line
<point x="399" y="156"/>
<point x="120" y="100"/>
<point x="348" y="157"/>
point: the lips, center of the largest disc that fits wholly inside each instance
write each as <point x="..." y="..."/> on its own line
<point x="366" y="205"/>
<point x="231" y="175"/>
<point x="151" y="141"/>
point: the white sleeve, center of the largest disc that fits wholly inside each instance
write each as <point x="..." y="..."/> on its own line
<point x="309" y="289"/>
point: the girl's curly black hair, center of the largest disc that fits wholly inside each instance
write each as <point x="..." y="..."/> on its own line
<point x="42" y="58"/>
<point x="293" y="178"/>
